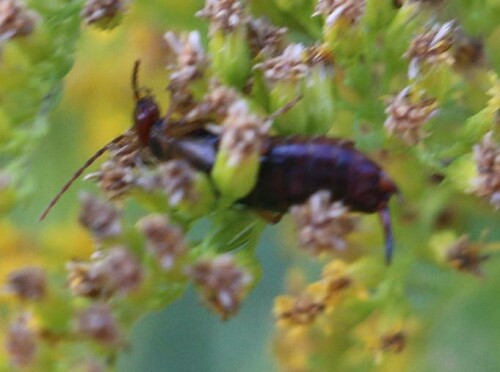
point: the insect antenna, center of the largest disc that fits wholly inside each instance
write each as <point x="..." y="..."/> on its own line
<point x="135" y="79"/>
<point x="78" y="173"/>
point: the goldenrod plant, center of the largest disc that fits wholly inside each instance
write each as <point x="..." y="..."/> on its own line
<point x="414" y="85"/>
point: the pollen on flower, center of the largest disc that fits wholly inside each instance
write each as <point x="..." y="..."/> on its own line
<point x="333" y="10"/>
<point x="322" y="225"/>
<point x="431" y="47"/>
<point x="164" y="240"/>
<point x="100" y="217"/>
<point x="117" y="271"/>
<point x="243" y="133"/>
<point x="28" y="283"/>
<point x="222" y="282"/>
<point x="406" y="113"/>
<point x="15" y="20"/>
<point x="223" y="15"/>
<point x="102" y="10"/>
<point x="21" y="344"/>
<point x="487" y="158"/>
<point x="466" y="256"/>
<point x="291" y="65"/>
<point x="98" y="323"/>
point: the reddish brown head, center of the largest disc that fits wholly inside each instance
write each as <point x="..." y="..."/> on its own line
<point x="146" y="112"/>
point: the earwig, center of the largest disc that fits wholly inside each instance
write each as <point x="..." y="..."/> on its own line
<point x="291" y="169"/>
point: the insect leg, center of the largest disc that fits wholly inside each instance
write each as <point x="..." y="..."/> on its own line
<point x="385" y="217"/>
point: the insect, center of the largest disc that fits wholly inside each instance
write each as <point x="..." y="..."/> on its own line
<point x="291" y="168"/>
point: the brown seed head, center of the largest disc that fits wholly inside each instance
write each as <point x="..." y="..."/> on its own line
<point x="28" y="283"/>
<point x="177" y="179"/>
<point x="431" y="47"/>
<point x="223" y="15"/>
<point x="393" y="342"/>
<point x="21" y="344"/>
<point x="487" y="158"/>
<point x="117" y="272"/>
<point x="301" y="310"/>
<point x="98" y="323"/>
<point x="349" y="10"/>
<point x="100" y="217"/>
<point x="102" y="10"/>
<point x="188" y="60"/>
<point x="265" y="39"/>
<point x="466" y="256"/>
<point x="291" y="65"/>
<point x="322" y="225"/>
<point x="243" y="134"/>
<point x="15" y="20"/>
<point x="407" y="113"/>
<point x="164" y="240"/>
<point x="222" y="282"/>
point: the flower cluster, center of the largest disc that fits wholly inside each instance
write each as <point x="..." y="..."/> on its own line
<point x="487" y="158"/>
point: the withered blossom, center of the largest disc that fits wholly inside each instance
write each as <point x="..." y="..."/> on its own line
<point x="431" y="47"/>
<point x="350" y="11"/>
<point x="28" y="283"/>
<point x="177" y="179"/>
<point x="466" y="256"/>
<point x="265" y="39"/>
<point x="487" y="158"/>
<point x="163" y="239"/>
<point x="291" y="65"/>
<point x="216" y="103"/>
<point x="15" y="20"/>
<point x="243" y="134"/>
<point x="98" y="323"/>
<point x="188" y="61"/>
<point x="116" y="272"/>
<point x="321" y="224"/>
<point x="301" y="310"/>
<point x="114" y="179"/>
<point x="100" y="217"/>
<point x="102" y="10"/>
<point x="407" y="112"/>
<point x="223" y="15"/>
<point x="222" y="282"/>
<point x="21" y="343"/>
<point x="393" y="342"/>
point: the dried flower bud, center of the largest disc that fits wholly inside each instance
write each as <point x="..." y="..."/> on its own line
<point x="300" y="310"/>
<point x="98" y="323"/>
<point x="266" y="39"/>
<point x="188" y="59"/>
<point x="15" y="20"/>
<point x="222" y="282"/>
<point x="407" y="113"/>
<point x="430" y="48"/>
<point x="322" y="225"/>
<point x="465" y="256"/>
<point x="393" y="342"/>
<point x="117" y="272"/>
<point x="223" y="15"/>
<point x="487" y="158"/>
<point x="216" y="102"/>
<point x="114" y="179"/>
<point x="21" y="342"/>
<point x="177" y="178"/>
<point x="243" y="134"/>
<point x="467" y="50"/>
<point x="101" y="218"/>
<point x="28" y="283"/>
<point x="350" y="11"/>
<point x="164" y="240"/>
<point x="103" y="12"/>
<point x="291" y="65"/>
